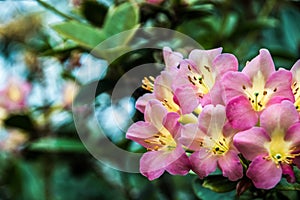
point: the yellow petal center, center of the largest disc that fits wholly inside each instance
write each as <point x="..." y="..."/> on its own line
<point x="258" y="95"/>
<point x="218" y="146"/>
<point x="162" y="140"/>
<point x="280" y="151"/>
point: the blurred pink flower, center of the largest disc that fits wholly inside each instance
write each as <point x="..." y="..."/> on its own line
<point x="12" y="140"/>
<point x="14" y="95"/>
<point x="272" y="147"/>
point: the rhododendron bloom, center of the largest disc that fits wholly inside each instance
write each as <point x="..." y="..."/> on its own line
<point x="159" y="133"/>
<point x="212" y="142"/>
<point x="13" y="97"/>
<point x="198" y="77"/>
<point x="249" y="92"/>
<point x="272" y="147"/>
<point x="296" y="84"/>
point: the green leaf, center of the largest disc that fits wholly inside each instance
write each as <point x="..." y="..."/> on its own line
<point x="218" y="183"/>
<point x="121" y="18"/>
<point x="207" y="194"/>
<point x="57" y="145"/>
<point x="85" y="35"/>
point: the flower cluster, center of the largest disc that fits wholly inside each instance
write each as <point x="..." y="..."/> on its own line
<point x="201" y="114"/>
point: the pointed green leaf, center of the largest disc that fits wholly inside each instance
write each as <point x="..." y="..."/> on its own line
<point x="85" y="35"/>
<point x="218" y="183"/>
<point x="121" y="18"/>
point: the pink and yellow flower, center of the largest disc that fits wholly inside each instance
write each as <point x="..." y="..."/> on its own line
<point x="198" y="78"/>
<point x="14" y="96"/>
<point x="258" y="86"/>
<point x="212" y="142"/>
<point x="159" y="133"/>
<point x="273" y="146"/>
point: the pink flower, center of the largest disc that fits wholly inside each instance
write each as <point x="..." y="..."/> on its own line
<point x="249" y="92"/>
<point x="159" y="134"/>
<point x="198" y="78"/>
<point x="13" y="97"/>
<point x="296" y="84"/>
<point x="212" y="142"/>
<point x="272" y="147"/>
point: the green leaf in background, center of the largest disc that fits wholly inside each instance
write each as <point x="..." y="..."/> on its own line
<point x="207" y="194"/>
<point x="57" y="145"/>
<point x="218" y="183"/>
<point x="85" y="35"/>
<point x="121" y="18"/>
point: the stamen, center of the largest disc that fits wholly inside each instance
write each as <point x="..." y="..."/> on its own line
<point x="148" y="83"/>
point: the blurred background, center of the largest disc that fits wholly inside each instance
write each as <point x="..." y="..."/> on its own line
<point x="45" y="44"/>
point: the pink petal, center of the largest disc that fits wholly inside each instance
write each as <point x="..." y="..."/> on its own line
<point x="296" y="161"/>
<point x="285" y="115"/>
<point x="251" y="142"/>
<point x="240" y="113"/>
<point x="155" y="113"/>
<point x="215" y="95"/>
<point x="289" y="172"/>
<point x="204" y="57"/>
<point x="293" y="135"/>
<point x="171" y="58"/>
<point x="265" y="174"/>
<point x="223" y="63"/>
<point x="232" y="83"/>
<point x="191" y="137"/>
<point x="212" y="120"/>
<point x="171" y="123"/>
<point x="162" y="86"/>
<point x="179" y="162"/>
<point x="281" y="80"/>
<point x="187" y="105"/>
<point x="143" y="101"/>
<point x="152" y="164"/>
<point x="203" y="162"/>
<point x="296" y="71"/>
<point x="140" y="131"/>
<point x="231" y="166"/>
<point x="263" y="62"/>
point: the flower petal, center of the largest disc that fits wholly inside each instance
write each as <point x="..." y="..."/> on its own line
<point x="231" y="166"/>
<point x="171" y="123"/>
<point x="281" y="80"/>
<point x="240" y="113"/>
<point x="263" y="63"/>
<point x="191" y="137"/>
<point x="293" y="135"/>
<point x="179" y="162"/>
<point x="186" y="98"/>
<point x="233" y="83"/>
<point x="155" y="113"/>
<point x="203" y="162"/>
<point x="152" y="164"/>
<point x="171" y="58"/>
<point x="143" y="101"/>
<point x="212" y="120"/>
<point x="204" y="57"/>
<point x="140" y="131"/>
<point x="285" y="115"/>
<point x="296" y="71"/>
<point x="223" y="63"/>
<point x="265" y="174"/>
<point x="288" y="171"/>
<point x="251" y="142"/>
